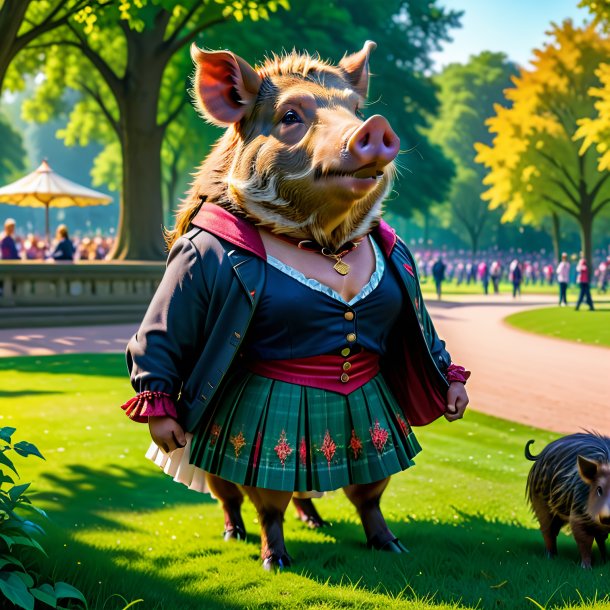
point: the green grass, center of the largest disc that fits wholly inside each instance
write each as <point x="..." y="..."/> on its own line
<point x="452" y="288"/>
<point x="121" y="531"/>
<point x="583" y="326"/>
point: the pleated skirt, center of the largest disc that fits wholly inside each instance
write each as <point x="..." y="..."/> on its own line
<point x="282" y="436"/>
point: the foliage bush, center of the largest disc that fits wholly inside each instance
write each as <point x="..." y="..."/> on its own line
<point x="19" y="550"/>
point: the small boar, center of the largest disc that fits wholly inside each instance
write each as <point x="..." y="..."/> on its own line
<point x="570" y="483"/>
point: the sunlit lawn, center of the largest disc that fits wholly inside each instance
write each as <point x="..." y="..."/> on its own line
<point x="452" y="288"/>
<point x="122" y="531"/>
<point x="583" y="326"/>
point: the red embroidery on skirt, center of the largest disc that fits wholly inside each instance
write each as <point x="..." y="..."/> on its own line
<point x="355" y="445"/>
<point x="238" y="442"/>
<point x="328" y="447"/>
<point x="214" y="434"/>
<point x="283" y="448"/>
<point x="303" y="452"/>
<point x="379" y="436"/>
<point x="404" y="426"/>
<point x="257" y="449"/>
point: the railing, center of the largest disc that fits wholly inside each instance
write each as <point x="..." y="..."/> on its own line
<point x="32" y="289"/>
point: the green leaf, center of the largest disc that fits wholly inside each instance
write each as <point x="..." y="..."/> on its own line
<point x="41" y="512"/>
<point x="6" y="433"/>
<point x="7" y="462"/>
<point x="16" y="491"/>
<point x="9" y="541"/>
<point x="10" y="560"/>
<point x="28" y="541"/>
<point x="23" y="448"/>
<point x="15" y="590"/>
<point x="4" y="478"/>
<point x="63" y="589"/>
<point x="45" y="594"/>
<point x="28" y="581"/>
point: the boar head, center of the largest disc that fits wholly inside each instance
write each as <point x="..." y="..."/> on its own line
<point x="297" y="155"/>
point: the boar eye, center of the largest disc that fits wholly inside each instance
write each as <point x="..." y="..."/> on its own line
<point x="291" y="117"/>
<point x="600" y="492"/>
<point x="359" y="113"/>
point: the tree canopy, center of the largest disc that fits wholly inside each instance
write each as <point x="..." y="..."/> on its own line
<point x="535" y="158"/>
<point x="468" y="94"/>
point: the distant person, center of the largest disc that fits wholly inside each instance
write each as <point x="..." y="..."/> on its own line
<point x="64" y="250"/>
<point x="8" y="247"/>
<point x="563" y="277"/>
<point x="438" y="273"/>
<point x="495" y="272"/>
<point x="583" y="279"/>
<point x="603" y="274"/>
<point x="483" y="273"/>
<point x="516" y="276"/>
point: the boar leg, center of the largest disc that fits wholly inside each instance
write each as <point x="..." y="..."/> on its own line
<point x="549" y="525"/>
<point x="601" y="545"/>
<point x="308" y="513"/>
<point x="584" y="539"/>
<point x="366" y="499"/>
<point x="271" y="506"/>
<point x="231" y="498"/>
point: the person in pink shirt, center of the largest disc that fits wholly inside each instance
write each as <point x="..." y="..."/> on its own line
<point x="582" y="279"/>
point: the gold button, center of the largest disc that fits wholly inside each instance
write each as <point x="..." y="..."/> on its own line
<point x="345" y="378"/>
<point x="349" y="315"/>
<point x="345" y="352"/>
<point x="347" y="366"/>
<point x="351" y="337"/>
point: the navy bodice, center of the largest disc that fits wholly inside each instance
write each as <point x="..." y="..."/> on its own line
<point x="299" y="317"/>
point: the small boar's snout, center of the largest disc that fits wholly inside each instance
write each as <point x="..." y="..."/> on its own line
<point x="374" y="142"/>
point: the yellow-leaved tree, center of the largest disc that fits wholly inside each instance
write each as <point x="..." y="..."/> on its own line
<point x="537" y="163"/>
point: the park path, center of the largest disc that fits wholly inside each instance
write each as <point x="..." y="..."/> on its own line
<point x="544" y="382"/>
<point x="549" y="383"/>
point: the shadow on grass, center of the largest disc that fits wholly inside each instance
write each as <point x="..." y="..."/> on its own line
<point x="22" y="393"/>
<point x="102" y="365"/>
<point x="474" y="560"/>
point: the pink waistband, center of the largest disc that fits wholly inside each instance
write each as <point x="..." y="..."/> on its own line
<point x="327" y="372"/>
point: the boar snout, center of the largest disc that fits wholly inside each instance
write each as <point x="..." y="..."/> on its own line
<point x="374" y="142"/>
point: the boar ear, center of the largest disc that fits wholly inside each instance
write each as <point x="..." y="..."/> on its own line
<point x="356" y="67"/>
<point x="587" y="469"/>
<point x="225" y="85"/>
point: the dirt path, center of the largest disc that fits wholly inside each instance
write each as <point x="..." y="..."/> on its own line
<point x="531" y="379"/>
<point x="544" y="382"/>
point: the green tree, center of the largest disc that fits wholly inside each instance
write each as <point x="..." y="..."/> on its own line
<point x="125" y="59"/>
<point x="406" y="32"/>
<point x="535" y="154"/>
<point x="468" y="93"/>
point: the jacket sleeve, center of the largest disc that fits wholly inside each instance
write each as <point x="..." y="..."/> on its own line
<point x="440" y="355"/>
<point x="165" y="348"/>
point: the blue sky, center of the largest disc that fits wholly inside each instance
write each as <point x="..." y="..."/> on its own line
<point x="512" y="26"/>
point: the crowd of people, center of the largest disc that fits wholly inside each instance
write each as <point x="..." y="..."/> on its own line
<point x="63" y="248"/>
<point x="489" y="269"/>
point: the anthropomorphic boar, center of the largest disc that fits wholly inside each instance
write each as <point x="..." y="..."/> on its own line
<point x="287" y="348"/>
<point x="570" y="483"/>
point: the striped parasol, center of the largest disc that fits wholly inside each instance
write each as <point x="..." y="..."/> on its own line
<point x="45" y="188"/>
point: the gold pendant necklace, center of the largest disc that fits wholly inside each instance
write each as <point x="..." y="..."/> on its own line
<point x="340" y="266"/>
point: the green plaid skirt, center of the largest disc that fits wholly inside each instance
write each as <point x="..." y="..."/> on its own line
<point x="282" y="436"/>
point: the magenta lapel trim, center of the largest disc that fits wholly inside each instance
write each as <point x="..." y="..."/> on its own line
<point x="235" y="230"/>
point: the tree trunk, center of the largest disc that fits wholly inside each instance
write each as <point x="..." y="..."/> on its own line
<point x="12" y="15"/>
<point x="556" y="234"/>
<point x="140" y="230"/>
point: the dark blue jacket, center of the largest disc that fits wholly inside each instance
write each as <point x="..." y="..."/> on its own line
<point x="200" y="313"/>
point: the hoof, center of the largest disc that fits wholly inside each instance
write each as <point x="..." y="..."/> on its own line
<point x="308" y="514"/>
<point x="313" y="523"/>
<point x="550" y="555"/>
<point x="389" y="546"/>
<point x="234" y="533"/>
<point x="276" y="563"/>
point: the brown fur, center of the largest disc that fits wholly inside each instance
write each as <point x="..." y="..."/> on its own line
<point x="276" y="185"/>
